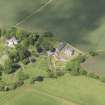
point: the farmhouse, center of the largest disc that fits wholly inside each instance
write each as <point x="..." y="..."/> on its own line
<point x="62" y="52"/>
<point x="11" y="42"/>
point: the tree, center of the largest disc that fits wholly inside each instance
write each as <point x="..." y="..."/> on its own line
<point x="73" y="67"/>
<point x="48" y="34"/>
<point x="13" y="55"/>
<point x="93" y="53"/>
<point x="8" y="66"/>
<point x="1" y="69"/>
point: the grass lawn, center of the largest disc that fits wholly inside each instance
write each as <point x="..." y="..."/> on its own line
<point x="66" y="90"/>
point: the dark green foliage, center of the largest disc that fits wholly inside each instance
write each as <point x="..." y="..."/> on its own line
<point x="14" y="56"/>
<point x="1" y="69"/>
<point x="10" y="67"/>
<point x="81" y="59"/>
<point x="45" y="43"/>
<point x="33" y="60"/>
<point x="73" y="67"/>
<point x="26" y="61"/>
<point x="102" y="79"/>
<point x="19" y="83"/>
<point x="25" y="43"/>
<point x="2" y="85"/>
<point x="83" y="72"/>
<point x="93" y="53"/>
<point x="23" y="52"/>
<point x="0" y="32"/>
<point x="16" y="66"/>
<point x="38" y="79"/>
<point x="93" y="75"/>
<point x="48" y="34"/>
<point x="40" y="49"/>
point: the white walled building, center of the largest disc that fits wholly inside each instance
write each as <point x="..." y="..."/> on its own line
<point x="11" y="42"/>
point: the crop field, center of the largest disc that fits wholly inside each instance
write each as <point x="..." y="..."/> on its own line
<point x="82" y="22"/>
<point x="66" y="90"/>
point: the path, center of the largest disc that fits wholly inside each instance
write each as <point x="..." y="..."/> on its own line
<point x="34" y="13"/>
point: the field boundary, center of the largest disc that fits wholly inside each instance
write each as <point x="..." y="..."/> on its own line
<point x="34" y="13"/>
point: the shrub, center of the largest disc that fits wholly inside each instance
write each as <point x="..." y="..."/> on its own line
<point x="39" y="78"/>
<point x="32" y="81"/>
<point x="83" y="72"/>
<point x="81" y="59"/>
<point x="8" y="67"/>
<point x="93" y="75"/>
<point x="16" y="66"/>
<point x="93" y="53"/>
<point x="26" y="61"/>
<point x="2" y="88"/>
<point x="73" y="67"/>
<point x="48" y="34"/>
<point x="19" y="83"/>
<point x="33" y="60"/>
<point x="102" y="79"/>
<point x="6" y="88"/>
<point x="39" y="49"/>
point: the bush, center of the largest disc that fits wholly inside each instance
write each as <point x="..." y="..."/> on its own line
<point x="2" y="88"/>
<point x="32" y="81"/>
<point x="102" y="79"/>
<point x="39" y="78"/>
<point x="93" y="53"/>
<point x="73" y="67"/>
<point x="83" y="72"/>
<point x="26" y="61"/>
<point x="33" y="60"/>
<point x="93" y="75"/>
<point x="16" y="66"/>
<point x="39" y="49"/>
<point x="81" y="59"/>
<point x="19" y="83"/>
<point x="48" y="34"/>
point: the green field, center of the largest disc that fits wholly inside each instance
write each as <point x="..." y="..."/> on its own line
<point x="66" y="90"/>
<point x="81" y="22"/>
